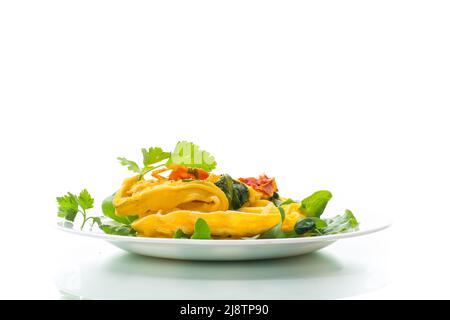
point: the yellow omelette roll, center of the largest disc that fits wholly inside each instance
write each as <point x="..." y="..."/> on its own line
<point x="143" y="197"/>
<point x="221" y="223"/>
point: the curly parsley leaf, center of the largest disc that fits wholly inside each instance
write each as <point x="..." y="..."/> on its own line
<point x="67" y="206"/>
<point x="131" y="165"/>
<point x="201" y="230"/>
<point x="190" y="155"/>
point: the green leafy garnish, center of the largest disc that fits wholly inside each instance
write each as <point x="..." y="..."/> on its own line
<point x="304" y="225"/>
<point x="179" y="234"/>
<point x="314" y="226"/>
<point x="342" y="223"/>
<point x="320" y="223"/>
<point x="110" y="212"/>
<point x="276" y="231"/>
<point x="67" y="206"/>
<point x="190" y="155"/>
<point x="150" y="159"/>
<point x="114" y="228"/>
<point x="310" y="226"/>
<point x="201" y="230"/>
<point x="131" y="165"/>
<point x="315" y="204"/>
<point x="277" y="201"/>
<point x="275" y="198"/>
<point x="154" y="155"/>
<point x="70" y="205"/>
<point x="236" y="192"/>
<point x="287" y="201"/>
<point x="186" y="154"/>
<point x="85" y="200"/>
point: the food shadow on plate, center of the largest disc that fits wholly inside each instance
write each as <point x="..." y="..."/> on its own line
<point x="345" y="271"/>
<point x="319" y="275"/>
<point x="304" y="266"/>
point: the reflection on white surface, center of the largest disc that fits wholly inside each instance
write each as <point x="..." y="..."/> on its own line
<point x="344" y="270"/>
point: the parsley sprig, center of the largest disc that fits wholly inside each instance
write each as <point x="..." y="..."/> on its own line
<point x="70" y="205"/>
<point x="185" y="153"/>
<point x="151" y="157"/>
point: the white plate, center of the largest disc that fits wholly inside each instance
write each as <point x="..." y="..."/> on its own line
<point x="223" y="250"/>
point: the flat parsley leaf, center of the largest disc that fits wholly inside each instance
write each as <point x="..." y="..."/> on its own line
<point x="154" y="155"/>
<point x="150" y="156"/>
<point x="131" y="165"/>
<point x="189" y="155"/>
<point x="67" y="206"/>
<point x="85" y="200"/>
<point x="70" y="205"/>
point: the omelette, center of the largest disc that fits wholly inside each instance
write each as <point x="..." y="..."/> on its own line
<point x="166" y="205"/>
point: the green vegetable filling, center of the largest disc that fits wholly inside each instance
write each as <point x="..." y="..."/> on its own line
<point x="236" y="192"/>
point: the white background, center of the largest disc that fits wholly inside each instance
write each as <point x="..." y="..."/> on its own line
<point x="352" y="96"/>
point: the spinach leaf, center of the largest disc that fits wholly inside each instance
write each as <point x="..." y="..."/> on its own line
<point x="278" y="202"/>
<point x="119" y="230"/>
<point x="342" y="223"/>
<point x="287" y="201"/>
<point x="304" y="225"/>
<point x="315" y="204"/>
<point x="276" y="231"/>
<point x="114" y="228"/>
<point x="236" y="192"/>
<point x="310" y="226"/>
<point x="201" y="230"/>
<point x="110" y="212"/>
<point x="179" y="234"/>
<point x="320" y="223"/>
<point x="275" y="198"/>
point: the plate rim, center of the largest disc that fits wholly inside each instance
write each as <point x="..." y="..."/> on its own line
<point x="224" y="242"/>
